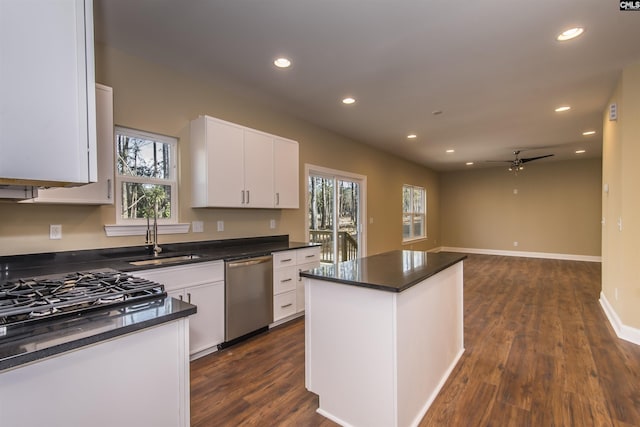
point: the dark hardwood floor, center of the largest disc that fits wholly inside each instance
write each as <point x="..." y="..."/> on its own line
<point x="539" y="352"/>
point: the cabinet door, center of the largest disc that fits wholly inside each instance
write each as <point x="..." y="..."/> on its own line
<point x="286" y="179"/>
<point x="225" y="164"/>
<point x="258" y="170"/>
<point x="206" y="327"/>
<point x="100" y="192"/>
<point x="47" y="91"/>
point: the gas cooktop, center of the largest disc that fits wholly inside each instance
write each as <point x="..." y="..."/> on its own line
<point x="43" y="298"/>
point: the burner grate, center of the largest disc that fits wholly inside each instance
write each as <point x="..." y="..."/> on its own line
<point x="23" y="300"/>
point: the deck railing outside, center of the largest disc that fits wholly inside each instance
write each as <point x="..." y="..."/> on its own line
<point x="347" y="245"/>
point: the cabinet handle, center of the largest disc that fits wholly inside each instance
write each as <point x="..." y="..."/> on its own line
<point x="286" y="260"/>
<point x="181" y="299"/>
<point x="189" y="297"/>
<point x="242" y="202"/>
<point x="299" y="276"/>
<point x="285" y="280"/>
<point x="310" y="256"/>
<point x="286" y="305"/>
<point x="109" y="189"/>
<point x="277" y="199"/>
<point x="248" y="197"/>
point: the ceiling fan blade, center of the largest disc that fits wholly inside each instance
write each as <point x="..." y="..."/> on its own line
<point x="500" y="161"/>
<point x="534" y="158"/>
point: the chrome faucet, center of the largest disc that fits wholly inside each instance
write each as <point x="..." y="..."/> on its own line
<point x="152" y="236"/>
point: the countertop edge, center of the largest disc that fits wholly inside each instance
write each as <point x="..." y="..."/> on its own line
<point x="21" y="359"/>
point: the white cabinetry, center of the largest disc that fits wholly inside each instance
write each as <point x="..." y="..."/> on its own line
<point x="47" y="96"/>
<point x="288" y="287"/>
<point x="100" y="192"/>
<point x="201" y="284"/>
<point x="238" y="167"/>
<point x="285" y="159"/>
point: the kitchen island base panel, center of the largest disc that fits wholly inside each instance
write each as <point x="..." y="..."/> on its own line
<point x="139" y="379"/>
<point x="379" y="358"/>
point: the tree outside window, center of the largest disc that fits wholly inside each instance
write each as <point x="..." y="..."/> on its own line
<point x="146" y="178"/>
<point x="414" y="212"/>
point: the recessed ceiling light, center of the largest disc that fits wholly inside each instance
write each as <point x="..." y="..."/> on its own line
<point x="569" y="34"/>
<point x="451" y="151"/>
<point x="563" y="108"/>
<point x="580" y="151"/>
<point x="469" y="163"/>
<point x="282" y="63"/>
<point x="412" y="136"/>
<point x="437" y="112"/>
<point x="589" y="132"/>
<point x="348" y="100"/>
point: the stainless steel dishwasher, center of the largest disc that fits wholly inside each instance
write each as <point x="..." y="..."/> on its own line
<point x="248" y="296"/>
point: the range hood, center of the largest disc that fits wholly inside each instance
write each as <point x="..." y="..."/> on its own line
<point x="18" y="192"/>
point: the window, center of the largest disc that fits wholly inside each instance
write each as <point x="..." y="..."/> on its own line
<point x="146" y="177"/>
<point x="414" y="211"/>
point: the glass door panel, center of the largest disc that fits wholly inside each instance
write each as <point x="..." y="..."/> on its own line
<point x="338" y="230"/>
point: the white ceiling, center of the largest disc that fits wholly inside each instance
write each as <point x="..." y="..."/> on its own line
<point x="493" y="67"/>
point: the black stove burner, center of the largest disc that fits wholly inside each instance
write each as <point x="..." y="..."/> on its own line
<point x="24" y="300"/>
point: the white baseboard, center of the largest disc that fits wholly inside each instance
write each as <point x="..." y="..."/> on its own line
<point x="623" y="331"/>
<point x="525" y="254"/>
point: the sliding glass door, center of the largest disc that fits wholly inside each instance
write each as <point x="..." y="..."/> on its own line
<point x="335" y="212"/>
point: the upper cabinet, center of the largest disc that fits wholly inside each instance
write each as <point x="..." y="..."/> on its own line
<point x="47" y="96"/>
<point x="235" y="166"/>
<point x="100" y="192"/>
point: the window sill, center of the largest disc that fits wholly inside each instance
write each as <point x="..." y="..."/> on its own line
<point x="118" y="230"/>
<point x="416" y="240"/>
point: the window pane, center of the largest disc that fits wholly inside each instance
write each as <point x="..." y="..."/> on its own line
<point x="418" y="226"/>
<point x="418" y="202"/>
<point x="406" y="226"/>
<point x="406" y="199"/>
<point x="139" y="200"/>
<point x="143" y="157"/>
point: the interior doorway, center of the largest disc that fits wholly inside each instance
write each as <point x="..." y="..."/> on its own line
<point x="336" y="212"/>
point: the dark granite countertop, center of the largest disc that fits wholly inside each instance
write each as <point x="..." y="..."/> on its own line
<point x="33" y="265"/>
<point x="393" y="271"/>
<point x="25" y="343"/>
<point x="20" y="344"/>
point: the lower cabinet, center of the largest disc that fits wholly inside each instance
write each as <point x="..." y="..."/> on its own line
<point x="202" y="285"/>
<point x="288" y="287"/>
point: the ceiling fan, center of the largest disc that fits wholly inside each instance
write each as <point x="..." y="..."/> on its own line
<point x="517" y="164"/>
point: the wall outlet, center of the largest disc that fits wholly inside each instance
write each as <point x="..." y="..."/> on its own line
<point x="515" y="244"/>
<point x="370" y="220"/>
<point x="272" y="224"/>
<point x="55" y="232"/>
<point x="220" y="225"/>
<point x="515" y="191"/>
<point x="197" y="226"/>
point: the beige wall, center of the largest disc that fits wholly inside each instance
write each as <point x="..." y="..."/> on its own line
<point x="556" y="208"/>
<point x="620" y="248"/>
<point x="154" y="98"/>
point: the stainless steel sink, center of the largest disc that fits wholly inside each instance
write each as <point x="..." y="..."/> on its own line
<point x="165" y="260"/>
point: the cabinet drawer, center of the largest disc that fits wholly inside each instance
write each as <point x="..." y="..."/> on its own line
<point x="284" y="305"/>
<point x="305" y="267"/>
<point x="284" y="279"/>
<point x="182" y="276"/>
<point x="284" y="259"/>
<point x="304" y="256"/>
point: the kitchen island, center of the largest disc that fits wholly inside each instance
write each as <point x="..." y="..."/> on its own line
<point x="382" y="334"/>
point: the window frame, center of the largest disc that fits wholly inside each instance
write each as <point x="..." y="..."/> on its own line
<point x="172" y="142"/>
<point x="413" y="213"/>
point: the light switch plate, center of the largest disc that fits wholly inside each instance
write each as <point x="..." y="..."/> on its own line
<point x="272" y="224"/>
<point x="220" y="225"/>
<point x="197" y="226"/>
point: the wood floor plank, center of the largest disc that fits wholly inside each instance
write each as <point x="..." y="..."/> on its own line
<point x="539" y="352"/>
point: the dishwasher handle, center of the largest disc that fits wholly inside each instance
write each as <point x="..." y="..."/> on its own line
<point x="248" y="262"/>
